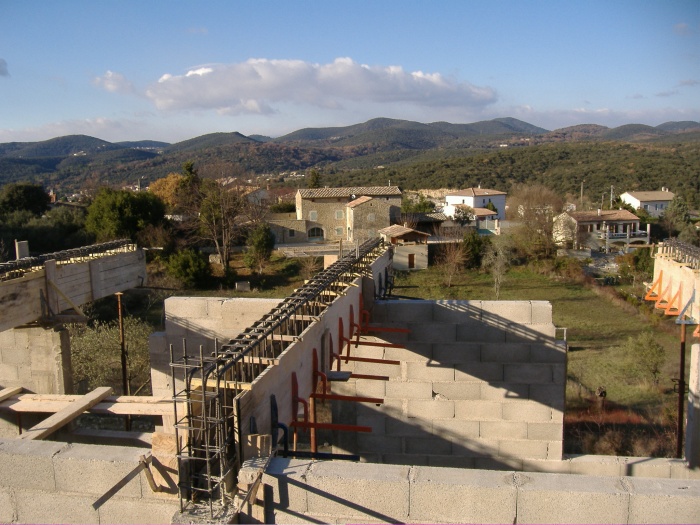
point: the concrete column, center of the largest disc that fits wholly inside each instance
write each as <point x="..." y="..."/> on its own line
<point x="692" y="429"/>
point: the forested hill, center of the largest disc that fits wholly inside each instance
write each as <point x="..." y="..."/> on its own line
<point x="495" y="153"/>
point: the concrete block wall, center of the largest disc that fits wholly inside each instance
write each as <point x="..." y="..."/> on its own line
<point x="480" y="384"/>
<point x="301" y="491"/>
<point x="52" y="482"/>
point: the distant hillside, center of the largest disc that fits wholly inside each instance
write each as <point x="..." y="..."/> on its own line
<point x="409" y="153"/>
<point x="209" y="141"/>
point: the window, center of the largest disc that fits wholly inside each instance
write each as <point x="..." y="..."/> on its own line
<point x="291" y="233"/>
<point x="313" y="215"/>
<point x="338" y="214"/>
<point x="370" y="217"/>
<point x="339" y="231"/>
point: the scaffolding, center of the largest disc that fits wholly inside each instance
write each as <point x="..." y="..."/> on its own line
<point x="209" y="385"/>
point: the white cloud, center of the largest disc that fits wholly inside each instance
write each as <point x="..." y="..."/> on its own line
<point x="689" y="82"/>
<point x="258" y="85"/>
<point x="669" y="93"/>
<point x="682" y="29"/>
<point x="113" y="82"/>
<point x="3" y="68"/>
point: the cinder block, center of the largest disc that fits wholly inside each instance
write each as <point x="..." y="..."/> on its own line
<point x="376" y="421"/>
<point x="503" y="430"/>
<point x="551" y="395"/>
<point x="477" y="331"/>
<point x="28" y="464"/>
<point x="14" y="355"/>
<point x="371" y="352"/>
<point x="369" y="388"/>
<point x="8" y="373"/>
<point x="365" y="491"/>
<point x="456" y="391"/>
<point x="541" y="311"/>
<point x="414" y="351"/>
<point x="98" y="470"/>
<point x="451" y="461"/>
<point x="505" y="353"/>
<point x="430" y="409"/>
<point x="379" y="369"/>
<point x="561" y="498"/>
<point x="552" y="466"/>
<point x="555" y="451"/>
<point x="521" y="449"/>
<point x="531" y="332"/>
<point x="50" y="507"/>
<point x="476" y="371"/>
<point x="455" y="430"/>
<point x="431" y="445"/>
<point x="479" y="410"/>
<point x="137" y="511"/>
<point x="408" y="389"/>
<point x="545" y="431"/>
<point x="680" y="470"/>
<point x="406" y="459"/>
<point x="528" y="373"/>
<point x="430" y="371"/>
<point x="527" y="411"/>
<point x="453" y="353"/>
<point x="590" y="465"/>
<point x="547" y="353"/>
<point x="456" y="311"/>
<point x="664" y="501"/>
<point x="448" y="495"/>
<point x="507" y="311"/>
<point x="505" y="391"/>
<point x="385" y="444"/>
<point x="498" y="463"/>
<point x="433" y="332"/>
<point x="648" y="467"/>
<point x="401" y="427"/>
<point x="7" y="507"/>
<point x="559" y="374"/>
<point x="409" y="311"/>
<point x="285" y="490"/>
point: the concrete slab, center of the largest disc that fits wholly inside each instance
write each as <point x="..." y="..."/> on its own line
<point x="447" y="495"/>
<point x="7" y="507"/>
<point x="129" y="511"/>
<point x="47" y="507"/>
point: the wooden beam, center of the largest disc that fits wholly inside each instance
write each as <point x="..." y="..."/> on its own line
<point x="6" y="393"/>
<point x="117" y="405"/>
<point x="233" y="385"/>
<point x="65" y="416"/>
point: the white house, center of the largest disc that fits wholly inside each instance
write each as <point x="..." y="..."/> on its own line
<point x="476" y="198"/>
<point x="654" y="203"/>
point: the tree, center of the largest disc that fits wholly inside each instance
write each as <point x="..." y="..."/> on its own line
<point x="314" y="180"/>
<point x="167" y="189"/>
<point x="120" y="213"/>
<point x="420" y="205"/>
<point x="474" y="247"/>
<point x="463" y="214"/>
<point x="261" y="242"/>
<point x="677" y="215"/>
<point x="24" y="196"/>
<point x="497" y="260"/>
<point x="646" y="356"/>
<point x="190" y="267"/>
<point x="534" y="208"/>
<point x="450" y="260"/>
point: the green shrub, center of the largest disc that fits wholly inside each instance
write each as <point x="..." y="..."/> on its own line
<point x="189" y="267"/>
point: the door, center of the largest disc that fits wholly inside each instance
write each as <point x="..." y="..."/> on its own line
<point x="411" y="260"/>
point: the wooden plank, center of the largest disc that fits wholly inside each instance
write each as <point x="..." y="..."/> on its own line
<point x="65" y="416"/>
<point x="118" y="405"/>
<point x="9" y="392"/>
<point x="211" y="384"/>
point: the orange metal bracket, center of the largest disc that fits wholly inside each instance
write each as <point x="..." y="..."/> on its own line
<point x="655" y="291"/>
<point x="673" y="306"/>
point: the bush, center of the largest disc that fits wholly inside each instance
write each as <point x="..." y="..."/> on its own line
<point x="191" y="268"/>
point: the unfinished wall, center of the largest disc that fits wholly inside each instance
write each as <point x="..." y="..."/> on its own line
<point x="480" y="384"/>
<point x="51" y="482"/>
<point x="692" y="431"/>
<point x="300" y="491"/>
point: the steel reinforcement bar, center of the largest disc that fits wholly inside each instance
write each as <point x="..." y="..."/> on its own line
<point x="209" y="434"/>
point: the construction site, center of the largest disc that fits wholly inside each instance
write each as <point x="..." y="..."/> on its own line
<point x="336" y="404"/>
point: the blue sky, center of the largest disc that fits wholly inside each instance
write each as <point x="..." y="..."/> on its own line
<point x="173" y="70"/>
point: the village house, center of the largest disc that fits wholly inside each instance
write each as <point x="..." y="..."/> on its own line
<point x="476" y="198"/>
<point x="600" y="230"/>
<point x="654" y="203"/>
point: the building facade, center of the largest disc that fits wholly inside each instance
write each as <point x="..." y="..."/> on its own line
<point x="476" y="198"/>
<point x="655" y="203"/>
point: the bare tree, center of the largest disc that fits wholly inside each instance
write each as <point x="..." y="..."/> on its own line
<point x="497" y="260"/>
<point x="451" y="260"/>
<point x="534" y="207"/>
<point x="309" y="267"/>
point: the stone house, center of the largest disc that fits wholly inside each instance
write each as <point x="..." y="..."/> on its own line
<point x="334" y="214"/>
<point x="599" y="230"/>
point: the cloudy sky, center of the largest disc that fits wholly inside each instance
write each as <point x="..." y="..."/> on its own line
<point x="173" y="70"/>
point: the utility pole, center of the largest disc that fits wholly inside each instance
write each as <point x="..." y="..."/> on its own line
<point x="581" y="204"/>
<point x="612" y="188"/>
<point x="126" y="389"/>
